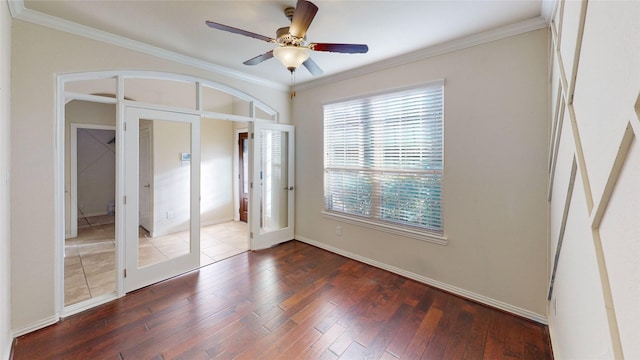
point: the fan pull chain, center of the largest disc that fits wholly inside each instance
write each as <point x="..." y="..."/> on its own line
<point x="292" y="94"/>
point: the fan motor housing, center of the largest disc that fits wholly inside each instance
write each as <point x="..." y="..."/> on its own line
<point x="282" y="32"/>
<point x="284" y="38"/>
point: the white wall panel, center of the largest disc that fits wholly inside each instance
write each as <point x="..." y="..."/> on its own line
<point x="577" y="306"/>
<point x="595" y="309"/>
<point x="557" y="116"/>
<point x="569" y="36"/>
<point x="556" y="21"/>
<point x="561" y="178"/>
<point x="556" y="93"/>
<point x="620" y="234"/>
<point x="608" y="83"/>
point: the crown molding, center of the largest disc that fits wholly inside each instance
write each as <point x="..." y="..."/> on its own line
<point x="20" y="12"/>
<point x="440" y="49"/>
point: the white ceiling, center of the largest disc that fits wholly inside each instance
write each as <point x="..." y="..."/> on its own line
<point x="390" y="28"/>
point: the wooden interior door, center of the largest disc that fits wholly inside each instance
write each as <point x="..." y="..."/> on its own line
<point x="243" y="185"/>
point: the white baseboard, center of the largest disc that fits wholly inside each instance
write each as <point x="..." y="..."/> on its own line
<point x="36" y="325"/>
<point x="437" y="284"/>
<point x="98" y="213"/>
<point x="217" y="221"/>
<point x="172" y="230"/>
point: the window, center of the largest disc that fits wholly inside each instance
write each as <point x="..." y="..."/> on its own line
<point x="383" y="159"/>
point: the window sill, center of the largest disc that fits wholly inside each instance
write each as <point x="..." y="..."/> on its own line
<point x="396" y="230"/>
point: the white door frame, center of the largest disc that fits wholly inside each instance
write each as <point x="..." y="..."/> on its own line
<point x="63" y="96"/>
<point x="73" y="177"/>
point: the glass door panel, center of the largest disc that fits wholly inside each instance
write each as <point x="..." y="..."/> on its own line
<point x="162" y="201"/>
<point x="165" y="187"/>
<point x="273" y="184"/>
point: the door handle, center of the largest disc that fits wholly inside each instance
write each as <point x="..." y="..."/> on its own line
<point x="148" y="185"/>
<point x="289" y="188"/>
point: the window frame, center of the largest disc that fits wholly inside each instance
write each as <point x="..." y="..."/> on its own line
<point x="406" y="230"/>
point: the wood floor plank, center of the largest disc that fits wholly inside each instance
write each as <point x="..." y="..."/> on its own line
<point x="513" y="343"/>
<point x="292" y="301"/>
<point x="536" y="338"/>
<point x="387" y="356"/>
<point x="423" y="335"/>
<point x="410" y="325"/>
<point x="446" y="330"/>
<point x="494" y="345"/>
<point x="456" y="344"/>
<point x="376" y="347"/>
<point x="322" y="344"/>
<point x="478" y="335"/>
<point x="173" y="343"/>
<point x="341" y="344"/>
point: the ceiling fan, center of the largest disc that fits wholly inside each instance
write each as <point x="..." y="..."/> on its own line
<point x="292" y="42"/>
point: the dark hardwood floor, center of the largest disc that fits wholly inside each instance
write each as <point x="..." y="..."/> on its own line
<point x="293" y="301"/>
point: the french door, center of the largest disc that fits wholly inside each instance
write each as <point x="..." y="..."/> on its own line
<point x="162" y="190"/>
<point x="271" y="202"/>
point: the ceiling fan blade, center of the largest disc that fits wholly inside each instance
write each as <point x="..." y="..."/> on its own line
<point x="260" y="58"/>
<point x="313" y="68"/>
<point x="340" y="48"/>
<point x="231" y="29"/>
<point x="302" y="17"/>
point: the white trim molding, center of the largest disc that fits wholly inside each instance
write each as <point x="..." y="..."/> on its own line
<point x="88" y="304"/>
<point x="542" y="319"/>
<point x="389" y="228"/>
<point x="37" y="325"/>
<point x="548" y="9"/>
<point x="20" y="12"/>
<point x="439" y="49"/>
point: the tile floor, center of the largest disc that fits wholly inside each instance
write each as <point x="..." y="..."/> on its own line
<point x="89" y="264"/>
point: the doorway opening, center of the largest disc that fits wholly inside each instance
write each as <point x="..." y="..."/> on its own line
<point x="89" y="249"/>
<point x="213" y="222"/>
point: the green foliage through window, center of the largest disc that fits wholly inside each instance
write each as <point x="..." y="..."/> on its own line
<point x="383" y="157"/>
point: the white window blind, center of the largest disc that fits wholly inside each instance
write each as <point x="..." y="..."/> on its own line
<point x="383" y="158"/>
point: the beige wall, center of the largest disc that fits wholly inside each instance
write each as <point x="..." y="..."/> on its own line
<point x="594" y="311"/>
<point x="171" y="176"/>
<point x="5" y="142"/>
<point x="216" y="173"/>
<point x="38" y="54"/>
<point x="495" y="209"/>
<point x="96" y="171"/>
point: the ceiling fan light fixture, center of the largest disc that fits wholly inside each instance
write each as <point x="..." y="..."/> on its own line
<point x="291" y="56"/>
